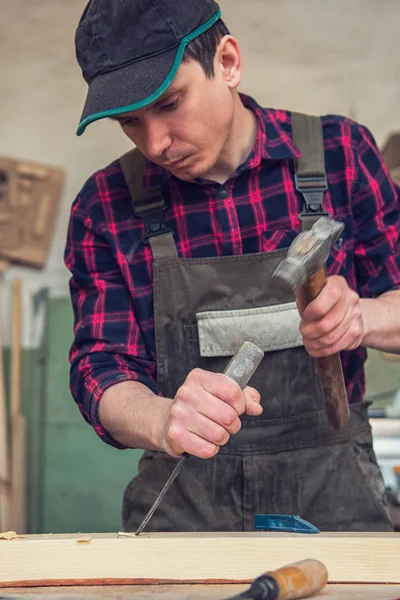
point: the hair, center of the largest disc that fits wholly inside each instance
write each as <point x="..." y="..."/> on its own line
<point x="202" y="49"/>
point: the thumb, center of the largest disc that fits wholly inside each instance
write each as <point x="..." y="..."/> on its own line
<point x="252" y="400"/>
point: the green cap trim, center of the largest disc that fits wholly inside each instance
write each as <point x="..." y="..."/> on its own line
<point x="166" y="83"/>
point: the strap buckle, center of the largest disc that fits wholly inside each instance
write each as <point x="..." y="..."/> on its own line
<point x="312" y="188"/>
<point x="154" y="222"/>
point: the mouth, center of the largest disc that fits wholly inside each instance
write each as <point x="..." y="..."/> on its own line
<point x="176" y="164"/>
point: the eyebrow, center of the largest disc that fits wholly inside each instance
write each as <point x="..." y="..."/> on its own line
<point x="168" y="94"/>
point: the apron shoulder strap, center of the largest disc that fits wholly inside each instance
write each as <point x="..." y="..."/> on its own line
<point x="148" y="204"/>
<point x="310" y="174"/>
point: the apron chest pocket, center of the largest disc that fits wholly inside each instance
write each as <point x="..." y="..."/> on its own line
<point x="271" y="328"/>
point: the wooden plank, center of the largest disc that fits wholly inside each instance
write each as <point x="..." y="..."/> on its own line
<point x="204" y="557"/>
<point x="5" y="491"/>
<point x="193" y="592"/>
<point x="18" y="425"/>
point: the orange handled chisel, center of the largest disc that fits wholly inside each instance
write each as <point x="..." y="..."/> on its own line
<point x="298" y="580"/>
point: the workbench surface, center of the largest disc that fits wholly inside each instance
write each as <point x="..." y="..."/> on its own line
<point x="191" y="592"/>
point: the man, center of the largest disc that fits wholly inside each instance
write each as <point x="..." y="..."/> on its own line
<point x="165" y="289"/>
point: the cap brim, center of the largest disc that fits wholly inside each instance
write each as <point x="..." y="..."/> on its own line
<point x="136" y="85"/>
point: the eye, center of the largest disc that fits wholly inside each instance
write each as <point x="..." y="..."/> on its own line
<point x="129" y="122"/>
<point x="170" y="106"/>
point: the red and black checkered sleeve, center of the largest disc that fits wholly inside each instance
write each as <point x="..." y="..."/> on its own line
<point x="108" y="347"/>
<point x="376" y="211"/>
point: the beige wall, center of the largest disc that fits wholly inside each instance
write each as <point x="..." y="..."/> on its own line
<point x="309" y="55"/>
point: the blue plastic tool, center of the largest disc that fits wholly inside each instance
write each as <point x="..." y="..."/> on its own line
<point x="290" y="523"/>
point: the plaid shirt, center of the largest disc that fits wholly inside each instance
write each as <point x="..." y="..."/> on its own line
<point x="256" y="210"/>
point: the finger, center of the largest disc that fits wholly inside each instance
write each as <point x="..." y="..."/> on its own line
<point x="221" y="386"/>
<point x="252" y="399"/>
<point x="332" y="293"/>
<point x="192" y="395"/>
<point x="180" y="440"/>
<point x="191" y="403"/>
<point x="350" y="340"/>
<point x="208" y="430"/>
<point x="334" y="336"/>
<point x="323" y="348"/>
<point x="218" y="411"/>
<point x="336" y="318"/>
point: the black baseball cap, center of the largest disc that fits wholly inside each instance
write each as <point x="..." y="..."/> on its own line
<point x="130" y="50"/>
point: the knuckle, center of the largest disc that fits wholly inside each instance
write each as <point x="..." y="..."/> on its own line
<point x="227" y="386"/>
<point x="221" y="437"/>
<point x="175" y="412"/>
<point x="236" y="426"/>
<point x="324" y="328"/>
<point x="356" y="330"/>
<point x="336" y="285"/>
<point x="230" y="418"/>
<point x="356" y="302"/>
<point x="182" y="393"/>
<point x="256" y="396"/>
<point x="209" y="451"/>
<point x="174" y="435"/>
<point x="315" y="309"/>
<point x="336" y="294"/>
<point x="195" y="374"/>
<point x="329" y="341"/>
<point x="341" y="280"/>
<point x="229" y="391"/>
<point x="337" y="282"/>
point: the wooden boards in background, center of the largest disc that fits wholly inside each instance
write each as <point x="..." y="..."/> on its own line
<point x="101" y="559"/>
<point x="18" y="425"/>
<point x="29" y="200"/>
<point x="5" y="489"/>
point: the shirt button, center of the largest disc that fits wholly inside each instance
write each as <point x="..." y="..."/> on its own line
<point x="223" y="194"/>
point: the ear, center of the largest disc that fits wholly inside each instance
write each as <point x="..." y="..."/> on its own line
<point x="229" y="60"/>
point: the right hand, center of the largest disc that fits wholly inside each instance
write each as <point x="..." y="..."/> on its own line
<point x="205" y="413"/>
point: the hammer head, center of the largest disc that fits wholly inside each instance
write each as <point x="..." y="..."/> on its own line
<point x="308" y="253"/>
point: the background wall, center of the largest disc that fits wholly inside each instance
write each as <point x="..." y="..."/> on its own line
<point x="308" y="55"/>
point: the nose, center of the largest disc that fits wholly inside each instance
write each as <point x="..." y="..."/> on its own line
<point x="156" y="139"/>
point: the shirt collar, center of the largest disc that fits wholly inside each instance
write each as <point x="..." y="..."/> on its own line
<point x="273" y="142"/>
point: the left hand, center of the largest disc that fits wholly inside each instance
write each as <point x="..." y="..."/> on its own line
<point x="333" y="321"/>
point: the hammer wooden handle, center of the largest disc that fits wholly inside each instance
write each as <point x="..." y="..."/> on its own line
<point x="329" y="367"/>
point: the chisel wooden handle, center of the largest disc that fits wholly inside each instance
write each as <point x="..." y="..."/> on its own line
<point x="329" y="367"/>
<point x="297" y="580"/>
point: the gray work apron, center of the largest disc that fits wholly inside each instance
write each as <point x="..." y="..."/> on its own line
<point x="288" y="460"/>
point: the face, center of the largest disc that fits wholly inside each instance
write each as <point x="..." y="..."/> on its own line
<point x="187" y="131"/>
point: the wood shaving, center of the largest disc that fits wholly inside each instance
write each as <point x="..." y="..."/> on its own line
<point x="125" y="534"/>
<point x="84" y="540"/>
<point x="8" y="535"/>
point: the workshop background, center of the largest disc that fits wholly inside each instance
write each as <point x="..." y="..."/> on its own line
<point x="311" y="56"/>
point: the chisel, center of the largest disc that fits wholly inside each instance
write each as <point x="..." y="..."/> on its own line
<point x="240" y="368"/>
<point x="298" y="580"/>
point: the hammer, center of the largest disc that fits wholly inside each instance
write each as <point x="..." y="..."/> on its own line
<point x="305" y="265"/>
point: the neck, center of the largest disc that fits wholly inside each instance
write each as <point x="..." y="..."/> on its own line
<point x="238" y="145"/>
